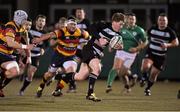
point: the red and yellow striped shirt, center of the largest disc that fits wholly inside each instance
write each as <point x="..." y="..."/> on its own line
<point x="67" y="42"/>
<point x="10" y="30"/>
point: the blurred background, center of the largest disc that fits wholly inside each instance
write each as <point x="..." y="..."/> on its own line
<point x="145" y="10"/>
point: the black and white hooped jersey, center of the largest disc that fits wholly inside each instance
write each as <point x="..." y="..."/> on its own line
<point x="84" y="24"/>
<point x="36" y="34"/>
<point x="102" y="29"/>
<point x="157" y="37"/>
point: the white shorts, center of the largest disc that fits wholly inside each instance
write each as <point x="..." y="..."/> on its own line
<point x="127" y="57"/>
<point x="66" y="65"/>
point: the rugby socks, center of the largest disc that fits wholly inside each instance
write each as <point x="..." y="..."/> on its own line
<point x="72" y="84"/>
<point x="66" y="78"/>
<point x="92" y="80"/>
<point x="2" y="77"/>
<point x="60" y="85"/>
<point x="144" y="76"/>
<point x="6" y="82"/>
<point x="25" y="84"/>
<point x="149" y="84"/>
<point x="111" y="76"/>
<point x="42" y="85"/>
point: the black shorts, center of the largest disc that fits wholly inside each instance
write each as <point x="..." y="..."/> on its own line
<point x="5" y="58"/>
<point x="90" y="51"/>
<point x="58" y="59"/>
<point x="35" y="61"/>
<point x="158" y="61"/>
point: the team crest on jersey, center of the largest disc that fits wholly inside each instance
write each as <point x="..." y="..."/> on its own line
<point x="123" y="32"/>
<point x="134" y="33"/>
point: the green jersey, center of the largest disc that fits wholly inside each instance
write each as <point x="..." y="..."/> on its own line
<point x="132" y="37"/>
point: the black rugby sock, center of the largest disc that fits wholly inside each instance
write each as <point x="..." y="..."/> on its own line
<point x="149" y="84"/>
<point x="25" y="84"/>
<point x="92" y="80"/>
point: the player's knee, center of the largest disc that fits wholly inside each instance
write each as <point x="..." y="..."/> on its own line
<point x="13" y="72"/>
<point x="145" y="68"/>
<point x="33" y="69"/>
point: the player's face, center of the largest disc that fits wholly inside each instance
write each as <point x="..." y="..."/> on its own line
<point x="41" y="22"/>
<point x="131" y="21"/>
<point x="62" y="24"/>
<point x="162" y="22"/>
<point x="71" y="27"/>
<point x="27" y="25"/>
<point x="80" y="14"/>
<point x="117" y="25"/>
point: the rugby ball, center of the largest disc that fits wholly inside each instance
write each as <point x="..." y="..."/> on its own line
<point x="114" y="41"/>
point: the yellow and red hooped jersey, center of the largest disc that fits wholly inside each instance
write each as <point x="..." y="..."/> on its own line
<point x="10" y="30"/>
<point x="67" y="42"/>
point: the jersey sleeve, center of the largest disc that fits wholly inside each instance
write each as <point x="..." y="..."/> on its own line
<point x="58" y="34"/>
<point x="95" y="28"/>
<point x="173" y="35"/>
<point x="10" y="32"/>
<point x="143" y="35"/>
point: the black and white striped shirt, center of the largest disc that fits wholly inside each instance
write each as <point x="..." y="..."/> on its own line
<point x="36" y="34"/>
<point x="98" y="30"/>
<point x="102" y="29"/>
<point x="157" y="37"/>
<point x="84" y="25"/>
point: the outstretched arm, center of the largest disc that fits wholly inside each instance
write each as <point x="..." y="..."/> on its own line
<point x="44" y="37"/>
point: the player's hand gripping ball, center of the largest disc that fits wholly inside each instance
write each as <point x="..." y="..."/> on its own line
<point x="116" y="43"/>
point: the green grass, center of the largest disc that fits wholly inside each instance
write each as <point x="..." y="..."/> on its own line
<point x="163" y="98"/>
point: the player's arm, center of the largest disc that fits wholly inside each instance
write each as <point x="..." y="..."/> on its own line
<point x="143" y="40"/>
<point x="173" y="43"/>
<point x="44" y="37"/>
<point x="86" y="35"/>
<point x="142" y="45"/>
<point x="12" y="43"/>
<point x="95" y="28"/>
<point x="10" y="39"/>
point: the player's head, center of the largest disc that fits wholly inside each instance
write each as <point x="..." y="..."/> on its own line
<point x="40" y="21"/>
<point x="162" y="21"/>
<point x="80" y="13"/>
<point x="131" y="19"/>
<point x="62" y="22"/>
<point x="27" y="24"/>
<point x="71" y="23"/>
<point x="118" y="20"/>
<point x="20" y="16"/>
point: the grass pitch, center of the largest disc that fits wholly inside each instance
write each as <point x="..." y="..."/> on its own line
<point x="164" y="98"/>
